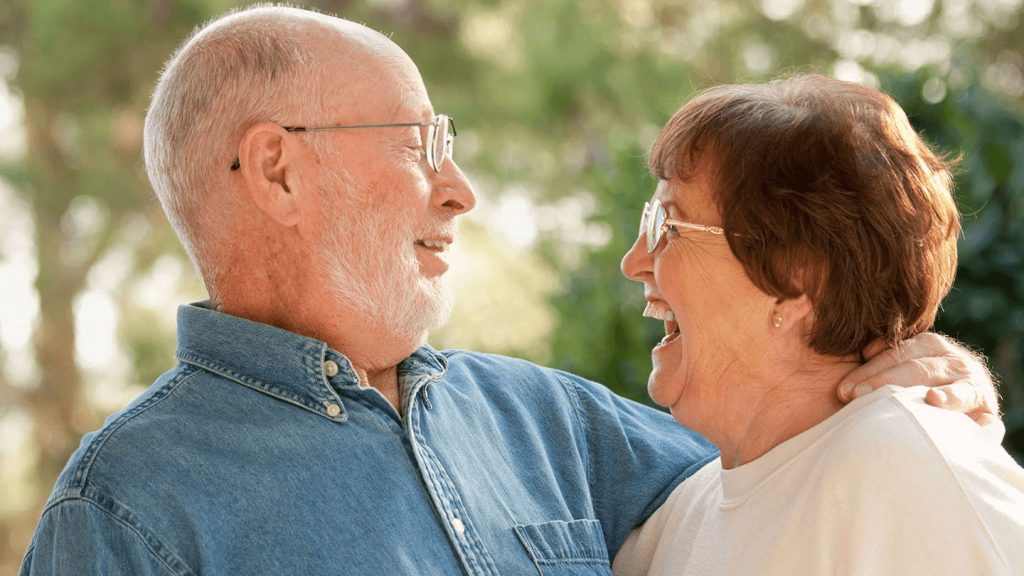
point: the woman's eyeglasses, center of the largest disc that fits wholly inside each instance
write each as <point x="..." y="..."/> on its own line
<point x="655" y="221"/>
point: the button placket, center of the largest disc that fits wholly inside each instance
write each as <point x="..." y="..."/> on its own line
<point x="475" y="558"/>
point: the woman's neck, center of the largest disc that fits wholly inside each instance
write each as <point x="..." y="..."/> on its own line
<point x="765" y="412"/>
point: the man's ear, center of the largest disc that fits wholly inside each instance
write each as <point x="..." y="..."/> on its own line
<point x="792" y="312"/>
<point x="268" y="158"/>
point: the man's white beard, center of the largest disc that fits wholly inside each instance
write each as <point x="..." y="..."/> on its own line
<point x="373" y="266"/>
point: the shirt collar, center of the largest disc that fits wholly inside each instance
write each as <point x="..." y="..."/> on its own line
<point x="277" y="362"/>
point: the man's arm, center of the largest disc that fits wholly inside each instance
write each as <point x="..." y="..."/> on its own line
<point x="635" y="456"/>
<point x="959" y="378"/>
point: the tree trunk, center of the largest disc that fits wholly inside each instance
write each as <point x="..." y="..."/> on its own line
<point x="55" y="403"/>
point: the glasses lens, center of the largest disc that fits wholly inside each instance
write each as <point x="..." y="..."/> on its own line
<point x="449" y="137"/>
<point x="655" y="220"/>
<point x="432" y="144"/>
<point x="438" y="141"/>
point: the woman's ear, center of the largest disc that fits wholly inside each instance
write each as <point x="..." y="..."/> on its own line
<point x="268" y="163"/>
<point x="788" y="313"/>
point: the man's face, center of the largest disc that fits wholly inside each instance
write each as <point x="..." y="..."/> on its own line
<point x="375" y="267"/>
<point x="389" y="217"/>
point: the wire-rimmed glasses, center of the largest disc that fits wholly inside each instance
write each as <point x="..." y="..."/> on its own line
<point x="654" y="221"/>
<point x="440" y="137"/>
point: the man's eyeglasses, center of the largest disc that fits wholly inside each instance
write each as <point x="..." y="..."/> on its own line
<point x="655" y="221"/>
<point x="440" y="137"/>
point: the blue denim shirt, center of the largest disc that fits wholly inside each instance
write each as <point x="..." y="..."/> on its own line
<point x="261" y="454"/>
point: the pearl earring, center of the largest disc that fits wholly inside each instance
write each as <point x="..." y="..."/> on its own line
<point x="776" y="319"/>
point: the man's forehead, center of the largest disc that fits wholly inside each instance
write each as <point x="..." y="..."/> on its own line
<point x="369" y="78"/>
<point x="385" y="97"/>
<point x="387" y="94"/>
<point x="354" y="42"/>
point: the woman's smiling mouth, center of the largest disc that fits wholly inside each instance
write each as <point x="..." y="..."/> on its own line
<point x="660" y="311"/>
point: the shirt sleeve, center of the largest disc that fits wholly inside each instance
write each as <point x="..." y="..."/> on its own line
<point x="636" y="457"/>
<point x="76" y="536"/>
<point x="635" y="555"/>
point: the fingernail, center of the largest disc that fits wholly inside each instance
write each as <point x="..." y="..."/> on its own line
<point x="941" y="396"/>
<point x="862" y="389"/>
<point x="846" y="389"/>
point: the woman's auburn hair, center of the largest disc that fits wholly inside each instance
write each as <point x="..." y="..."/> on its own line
<point x="827" y="190"/>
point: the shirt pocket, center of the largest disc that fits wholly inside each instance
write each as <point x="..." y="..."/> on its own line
<point x="566" y="548"/>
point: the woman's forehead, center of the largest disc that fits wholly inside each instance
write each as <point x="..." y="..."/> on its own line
<point x="689" y="198"/>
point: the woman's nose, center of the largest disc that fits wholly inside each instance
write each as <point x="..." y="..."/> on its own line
<point x="637" y="263"/>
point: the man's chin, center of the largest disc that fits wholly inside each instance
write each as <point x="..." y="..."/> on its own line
<point x="422" y="340"/>
<point x="415" y="325"/>
<point x="437" y="305"/>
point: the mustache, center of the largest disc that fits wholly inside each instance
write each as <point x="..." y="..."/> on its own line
<point x="440" y="231"/>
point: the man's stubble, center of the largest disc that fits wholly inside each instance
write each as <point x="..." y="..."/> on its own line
<point x="372" y="262"/>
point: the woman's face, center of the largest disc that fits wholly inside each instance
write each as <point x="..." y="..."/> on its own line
<point x="716" y="320"/>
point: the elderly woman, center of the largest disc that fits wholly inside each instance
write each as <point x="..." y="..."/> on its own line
<point x="794" y="224"/>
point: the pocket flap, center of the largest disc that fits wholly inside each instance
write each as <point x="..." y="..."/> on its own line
<point x="564" y="541"/>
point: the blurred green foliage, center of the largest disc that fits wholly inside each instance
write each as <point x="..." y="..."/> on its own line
<point x="986" y="307"/>
<point x="557" y="101"/>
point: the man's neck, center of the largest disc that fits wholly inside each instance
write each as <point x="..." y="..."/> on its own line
<point x="374" y="354"/>
<point x="385" y="381"/>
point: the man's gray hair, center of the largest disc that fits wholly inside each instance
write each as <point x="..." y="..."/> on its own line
<point x="243" y="68"/>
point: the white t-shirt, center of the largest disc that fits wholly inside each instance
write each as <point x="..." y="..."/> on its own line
<point x="887" y="485"/>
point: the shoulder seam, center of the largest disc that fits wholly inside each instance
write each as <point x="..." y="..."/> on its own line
<point x="138" y="531"/>
<point x="81" y="474"/>
<point x="577" y="407"/>
<point x="956" y="477"/>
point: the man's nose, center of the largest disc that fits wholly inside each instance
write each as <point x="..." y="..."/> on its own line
<point x="452" y="190"/>
<point x="638" y="263"/>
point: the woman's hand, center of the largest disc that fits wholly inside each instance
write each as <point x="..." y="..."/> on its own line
<point x="959" y="378"/>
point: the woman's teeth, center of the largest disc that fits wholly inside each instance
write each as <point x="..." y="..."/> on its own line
<point x="659" y="313"/>
<point x="671" y="332"/>
<point x="666" y="315"/>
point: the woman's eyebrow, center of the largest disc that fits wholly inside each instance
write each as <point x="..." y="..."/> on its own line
<point x="671" y="205"/>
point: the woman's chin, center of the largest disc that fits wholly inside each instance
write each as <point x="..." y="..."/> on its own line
<point x="666" y="383"/>
<point x="665" y="391"/>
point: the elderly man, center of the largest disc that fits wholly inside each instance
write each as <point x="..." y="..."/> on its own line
<point x="307" y="428"/>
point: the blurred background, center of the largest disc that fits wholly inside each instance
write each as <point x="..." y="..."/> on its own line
<point x="556" y="103"/>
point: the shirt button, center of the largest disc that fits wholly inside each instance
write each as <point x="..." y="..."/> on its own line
<point x="459" y="527"/>
<point x="333" y="409"/>
<point x="331" y="368"/>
